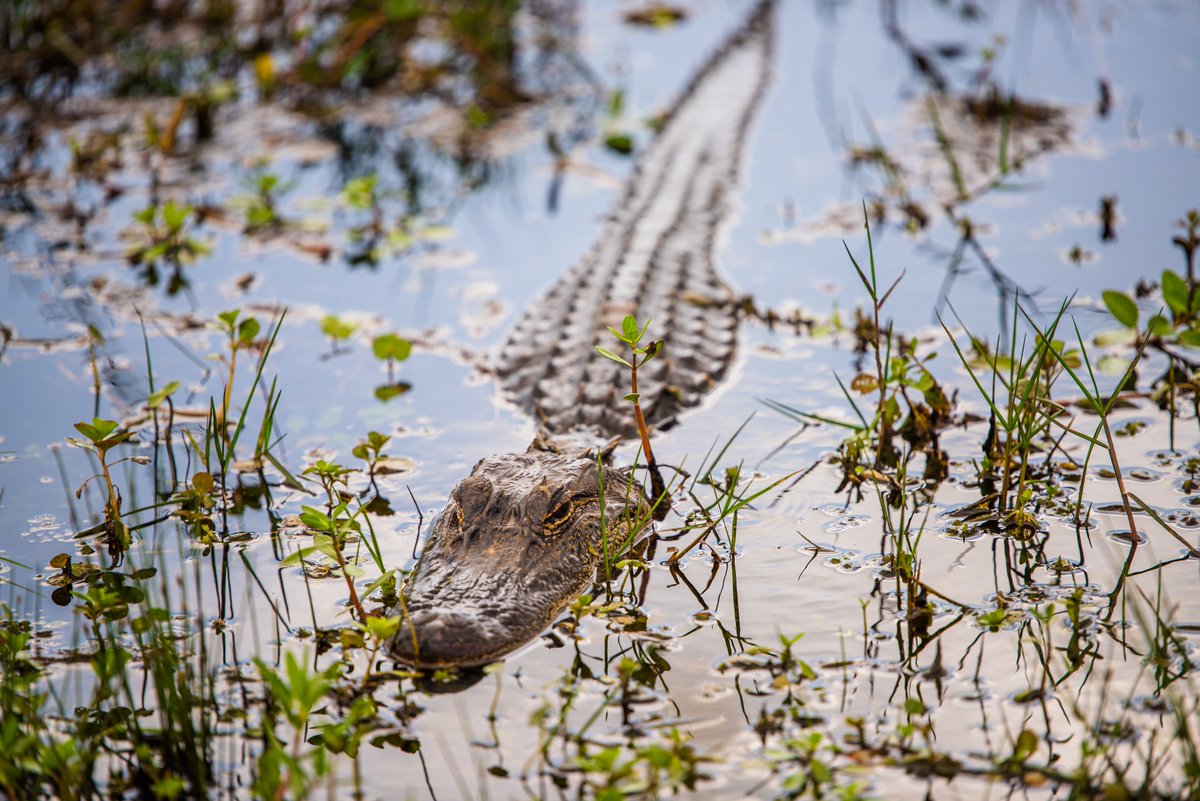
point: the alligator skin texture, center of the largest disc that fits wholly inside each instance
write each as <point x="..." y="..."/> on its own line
<point x="654" y="260"/>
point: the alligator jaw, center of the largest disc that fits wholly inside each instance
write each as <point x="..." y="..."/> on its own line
<point x="519" y="539"/>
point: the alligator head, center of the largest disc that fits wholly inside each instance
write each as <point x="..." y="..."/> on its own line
<point x="518" y="540"/>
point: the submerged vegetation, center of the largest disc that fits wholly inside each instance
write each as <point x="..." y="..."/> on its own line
<point x="1001" y="510"/>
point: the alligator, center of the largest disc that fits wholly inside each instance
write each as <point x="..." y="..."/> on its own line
<point x="524" y="533"/>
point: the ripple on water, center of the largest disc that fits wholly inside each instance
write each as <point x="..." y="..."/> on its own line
<point x="846" y="522"/>
<point x="1183" y="518"/>
<point x="1126" y="537"/>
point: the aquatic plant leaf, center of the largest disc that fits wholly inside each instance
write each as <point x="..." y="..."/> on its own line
<point x="864" y="383"/>
<point x="630" y="328"/>
<point x="1159" y="326"/>
<point x="174" y="215"/>
<point x="1190" y="338"/>
<point x="335" y="327"/>
<point x="202" y="483"/>
<point x="391" y="346"/>
<point x="621" y="143"/>
<point x="97" y="430"/>
<point x="608" y="354"/>
<point x="1122" y="307"/>
<point x="1175" y="293"/>
<point x="247" y="330"/>
<point x="158" y="396"/>
<point x="388" y="391"/>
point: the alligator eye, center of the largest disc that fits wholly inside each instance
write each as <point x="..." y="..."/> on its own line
<point x="556" y="517"/>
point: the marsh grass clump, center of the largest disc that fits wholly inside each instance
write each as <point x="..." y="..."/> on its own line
<point x="910" y="408"/>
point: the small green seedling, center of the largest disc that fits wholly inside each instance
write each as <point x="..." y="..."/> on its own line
<point x="103" y="436"/>
<point x="631" y="334"/>
<point x="391" y="348"/>
<point x="337" y="330"/>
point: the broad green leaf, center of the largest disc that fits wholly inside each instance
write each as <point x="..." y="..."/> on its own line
<point x="229" y="317"/>
<point x="382" y="628"/>
<point x="98" y="430"/>
<point x="630" y="327"/>
<point x="160" y="395"/>
<point x="89" y="431"/>
<point x="315" y="519"/>
<point x="391" y="346"/>
<point x="1159" y="326"/>
<point x="324" y="544"/>
<point x="1027" y="743"/>
<point x="1122" y="307"/>
<point x="1190" y="338"/>
<point x="247" y="330"/>
<point x="202" y="483"/>
<point x="633" y="396"/>
<point x="1175" y="293"/>
<point x="336" y="328"/>
<point x="108" y="443"/>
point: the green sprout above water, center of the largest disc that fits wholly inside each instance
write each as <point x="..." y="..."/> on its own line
<point x="164" y="234"/>
<point x="391" y="348"/>
<point x="103" y="436"/>
<point x="338" y="330"/>
<point x="630" y="335"/>
<point x="260" y="205"/>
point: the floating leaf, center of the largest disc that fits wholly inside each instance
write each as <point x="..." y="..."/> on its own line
<point x="619" y="143"/>
<point x="864" y="383"/>
<point x="388" y="391"/>
<point x="202" y="483"/>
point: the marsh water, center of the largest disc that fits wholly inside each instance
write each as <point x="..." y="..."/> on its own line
<point x="880" y="633"/>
